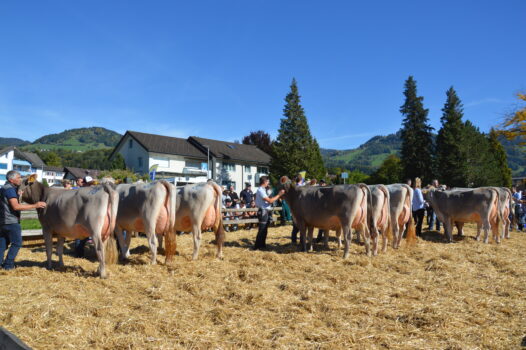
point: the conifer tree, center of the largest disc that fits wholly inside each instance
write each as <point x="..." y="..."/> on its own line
<point x="450" y="155"/>
<point x="295" y="149"/>
<point x="501" y="170"/>
<point x="417" y="138"/>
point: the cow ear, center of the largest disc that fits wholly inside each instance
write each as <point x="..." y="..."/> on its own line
<point x="32" y="178"/>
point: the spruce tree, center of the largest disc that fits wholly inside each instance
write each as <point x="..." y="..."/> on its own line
<point x="295" y="149"/>
<point x="479" y="164"/>
<point x="450" y="155"/>
<point x="501" y="170"/>
<point x="417" y="138"/>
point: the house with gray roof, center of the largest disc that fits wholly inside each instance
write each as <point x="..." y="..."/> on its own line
<point x="26" y="163"/>
<point x="193" y="160"/>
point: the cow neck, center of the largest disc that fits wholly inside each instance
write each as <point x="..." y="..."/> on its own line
<point x="290" y="195"/>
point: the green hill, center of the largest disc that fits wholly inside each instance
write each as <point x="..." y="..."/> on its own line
<point x="11" y="141"/>
<point x="82" y="139"/>
<point x="370" y="155"/>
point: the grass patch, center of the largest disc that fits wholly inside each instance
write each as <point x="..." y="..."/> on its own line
<point x="30" y="224"/>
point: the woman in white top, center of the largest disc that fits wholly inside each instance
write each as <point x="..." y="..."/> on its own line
<point x="418" y="205"/>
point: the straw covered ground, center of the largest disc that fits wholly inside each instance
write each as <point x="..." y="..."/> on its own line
<point x="465" y="295"/>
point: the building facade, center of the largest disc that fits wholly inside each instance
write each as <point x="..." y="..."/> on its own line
<point x="192" y="160"/>
<point x="26" y="163"/>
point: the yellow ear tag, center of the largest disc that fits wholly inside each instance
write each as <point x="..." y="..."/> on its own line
<point x="32" y="178"/>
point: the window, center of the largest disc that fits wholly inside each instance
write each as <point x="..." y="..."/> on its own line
<point x="139" y="160"/>
<point x="192" y="164"/>
<point x="229" y="166"/>
<point x="2" y="177"/>
<point x="161" y="162"/>
<point x="3" y="166"/>
<point x="130" y="143"/>
<point x="262" y="170"/>
<point x="247" y="168"/>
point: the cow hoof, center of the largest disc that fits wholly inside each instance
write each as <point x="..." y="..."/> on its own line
<point x="346" y="255"/>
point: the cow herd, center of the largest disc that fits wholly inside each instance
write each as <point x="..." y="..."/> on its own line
<point x="160" y="209"/>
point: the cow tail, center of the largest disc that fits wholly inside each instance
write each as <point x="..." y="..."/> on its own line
<point x="387" y="204"/>
<point x="170" y="236"/>
<point x="499" y="211"/>
<point x="218" y="223"/>
<point x="110" y="244"/>
<point x="410" y="236"/>
<point x="370" y="222"/>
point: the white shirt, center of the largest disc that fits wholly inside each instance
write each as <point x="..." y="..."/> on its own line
<point x="260" y="194"/>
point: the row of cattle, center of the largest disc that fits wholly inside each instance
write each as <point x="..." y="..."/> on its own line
<point x="159" y="209"/>
<point x="387" y="210"/>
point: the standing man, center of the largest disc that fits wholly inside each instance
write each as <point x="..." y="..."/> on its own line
<point x="264" y="203"/>
<point x="10" y="230"/>
<point x="294" y="234"/>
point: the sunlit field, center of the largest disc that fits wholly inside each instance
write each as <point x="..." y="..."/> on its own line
<point x="465" y="295"/>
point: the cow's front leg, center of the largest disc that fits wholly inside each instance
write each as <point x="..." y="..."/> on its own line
<point x="122" y="244"/>
<point x="303" y="238"/>
<point x="479" y="230"/>
<point x="448" y="230"/>
<point x="60" y="251"/>
<point x="196" y="231"/>
<point x="326" y="238"/>
<point x="311" y="238"/>
<point x="48" y="239"/>
<point x="339" y="236"/>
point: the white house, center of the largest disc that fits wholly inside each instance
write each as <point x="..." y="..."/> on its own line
<point x="193" y="160"/>
<point x="26" y="163"/>
<point x="53" y="175"/>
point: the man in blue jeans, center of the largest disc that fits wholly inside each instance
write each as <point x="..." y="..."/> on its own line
<point x="10" y="230"/>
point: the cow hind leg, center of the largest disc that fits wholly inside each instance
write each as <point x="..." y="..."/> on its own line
<point x="99" y="249"/>
<point x="326" y="238"/>
<point x="479" y="230"/>
<point x="196" y="231"/>
<point x="310" y="230"/>
<point x="152" y="240"/>
<point x="367" y="239"/>
<point x="122" y="244"/>
<point x="60" y="252"/>
<point x="48" y="239"/>
<point x="486" y="226"/>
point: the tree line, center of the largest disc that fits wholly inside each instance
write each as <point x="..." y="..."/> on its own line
<point x="460" y="155"/>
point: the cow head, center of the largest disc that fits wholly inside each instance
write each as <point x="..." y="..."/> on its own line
<point x="32" y="190"/>
<point x="285" y="183"/>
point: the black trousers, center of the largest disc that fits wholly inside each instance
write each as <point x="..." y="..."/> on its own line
<point x="419" y="218"/>
<point x="264" y="218"/>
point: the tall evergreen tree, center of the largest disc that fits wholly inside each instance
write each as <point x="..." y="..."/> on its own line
<point x="479" y="164"/>
<point x="417" y="138"/>
<point x="295" y="149"/>
<point x="501" y="170"/>
<point x="450" y="154"/>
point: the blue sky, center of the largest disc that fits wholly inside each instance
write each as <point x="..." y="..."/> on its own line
<point x="219" y="69"/>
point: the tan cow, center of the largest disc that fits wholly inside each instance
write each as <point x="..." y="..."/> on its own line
<point x="401" y="199"/>
<point x="198" y="208"/>
<point x="75" y="214"/>
<point x="148" y="208"/>
<point x="380" y="216"/>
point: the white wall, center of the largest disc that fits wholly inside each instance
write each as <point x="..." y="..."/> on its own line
<point x="131" y="155"/>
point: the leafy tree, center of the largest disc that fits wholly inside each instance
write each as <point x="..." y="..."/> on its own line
<point x="416" y="133"/>
<point x="121" y="175"/>
<point x="451" y="156"/>
<point x="389" y="172"/>
<point x="51" y="159"/>
<point x="501" y="169"/>
<point x="295" y="149"/>
<point x="514" y="125"/>
<point x="259" y="138"/>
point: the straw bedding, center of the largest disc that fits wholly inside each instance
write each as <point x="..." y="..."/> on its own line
<point x="465" y="295"/>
